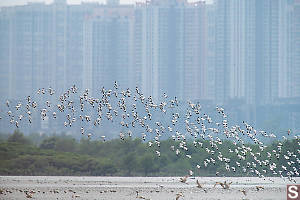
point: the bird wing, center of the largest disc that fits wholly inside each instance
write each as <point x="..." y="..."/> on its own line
<point x="217" y="183"/>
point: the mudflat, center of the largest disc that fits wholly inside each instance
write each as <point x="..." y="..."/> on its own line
<point x="154" y="188"/>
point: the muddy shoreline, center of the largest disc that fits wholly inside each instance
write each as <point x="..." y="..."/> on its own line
<point x="126" y="188"/>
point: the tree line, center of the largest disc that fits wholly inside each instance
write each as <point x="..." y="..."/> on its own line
<point x="60" y="155"/>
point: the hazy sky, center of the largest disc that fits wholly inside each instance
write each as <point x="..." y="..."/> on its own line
<point x="22" y="2"/>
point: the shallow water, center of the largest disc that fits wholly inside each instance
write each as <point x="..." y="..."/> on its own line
<point x="156" y="188"/>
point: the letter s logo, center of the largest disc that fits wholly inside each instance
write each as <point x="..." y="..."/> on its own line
<point x="293" y="192"/>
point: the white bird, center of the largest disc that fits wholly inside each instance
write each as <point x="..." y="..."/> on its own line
<point x="157" y="153"/>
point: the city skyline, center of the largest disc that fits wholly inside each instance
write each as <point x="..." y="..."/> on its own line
<point x="242" y="53"/>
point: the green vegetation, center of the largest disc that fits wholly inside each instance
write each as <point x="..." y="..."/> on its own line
<point x="63" y="155"/>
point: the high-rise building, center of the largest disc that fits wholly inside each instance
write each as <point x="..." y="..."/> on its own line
<point x="76" y="43"/>
<point x="235" y="51"/>
<point x="5" y="53"/>
<point x="222" y="52"/>
<point x="211" y="50"/>
<point x="295" y="50"/>
<point x="58" y="56"/>
<point x="42" y="47"/>
<point x="276" y="50"/>
<point x="195" y="53"/>
<point x="285" y="48"/>
<point x="229" y="50"/>
<point x="267" y="47"/>
<point x="108" y="48"/>
<point x="172" y="48"/>
<point x="26" y="47"/>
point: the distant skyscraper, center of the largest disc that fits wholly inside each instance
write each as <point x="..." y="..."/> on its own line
<point x="172" y="39"/>
<point x="194" y="53"/>
<point x="5" y="53"/>
<point x="108" y="36"/>
<point x="75" y="41"/>
<point x="295" y="50"/>
<point x="59" y="49"/>
<point x="277" y="32"/>
<point x="249" y="51"/>
<point x="164" y="22"/>
<point x="26" y="48"/>
<point x="42" y="47"/>
<point x="211" y="50"/>
<point x="245" y="50"/>
<point x="222" y="52"/>
<point x="235" y="51"/>
<point x="267" y="50"/>
<point x="285" y="51"/>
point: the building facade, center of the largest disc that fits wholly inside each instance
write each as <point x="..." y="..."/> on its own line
<point x="229" y="50"/>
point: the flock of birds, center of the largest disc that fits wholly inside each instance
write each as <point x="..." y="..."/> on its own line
<point x="139" y="116"/>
